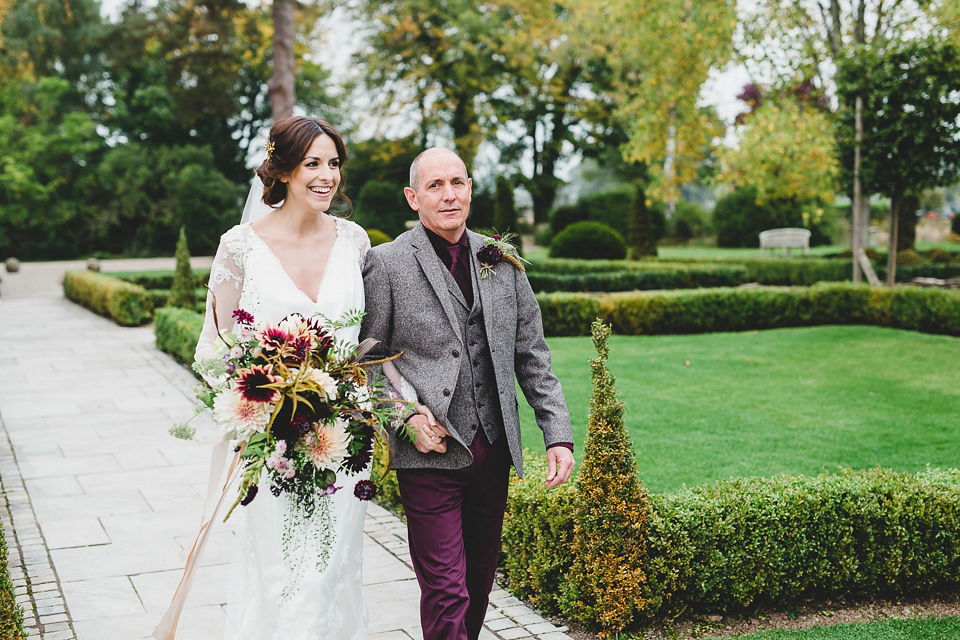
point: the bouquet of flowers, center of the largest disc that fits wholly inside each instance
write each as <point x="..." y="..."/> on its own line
<point x="297" y="406"/>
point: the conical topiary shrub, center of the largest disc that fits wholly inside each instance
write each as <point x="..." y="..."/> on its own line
<point x="184" y="284"/>
<point x="607" y="580"/>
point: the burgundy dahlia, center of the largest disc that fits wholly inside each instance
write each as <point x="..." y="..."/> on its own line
<point x="365" y="490"/>
<point x="489" y="254"/>
<point x="273" y="338"/>
<point x="251" y="384"/>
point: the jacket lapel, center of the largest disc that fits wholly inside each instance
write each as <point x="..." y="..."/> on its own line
<point x="435" y="274"/>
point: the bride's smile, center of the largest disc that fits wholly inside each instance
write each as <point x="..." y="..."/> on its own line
<point x="313" y="184"/>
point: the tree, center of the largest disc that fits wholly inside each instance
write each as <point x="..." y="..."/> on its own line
<point x="432" y="61"/>
<point x="282" y="90"/>
<point x="787" y="40"/>
<point x="660" y="54"/>
<point x="786" y="151"/>
<point x="911" y="123"/>
<point x="45" y="150"/>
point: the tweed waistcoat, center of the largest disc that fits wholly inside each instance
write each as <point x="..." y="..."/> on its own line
<point x="475" y="402"/>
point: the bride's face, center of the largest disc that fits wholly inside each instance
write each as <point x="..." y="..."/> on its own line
<point x="312" y="185"/>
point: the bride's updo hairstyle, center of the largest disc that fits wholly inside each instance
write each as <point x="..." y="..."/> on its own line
<point x="287" y="146"/>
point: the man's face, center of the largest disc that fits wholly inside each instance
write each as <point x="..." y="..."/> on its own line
<point x="442" y="196"/>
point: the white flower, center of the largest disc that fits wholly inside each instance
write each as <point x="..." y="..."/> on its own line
<point x="230" y="409"/>
<point x="326" y="383"/>
<point x="327" y="443"/>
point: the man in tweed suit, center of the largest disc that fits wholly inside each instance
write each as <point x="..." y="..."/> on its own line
<point x="467" y="340"/>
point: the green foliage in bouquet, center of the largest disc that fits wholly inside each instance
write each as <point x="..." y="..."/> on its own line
<point x="606" y="584"/>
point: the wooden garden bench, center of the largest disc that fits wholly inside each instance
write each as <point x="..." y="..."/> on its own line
<point x="785" y="239"/>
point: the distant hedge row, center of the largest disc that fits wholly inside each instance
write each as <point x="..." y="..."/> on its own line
<point x="741" y="309"/>
<point x="750" y="542"/>
<point x="623" y="275"/>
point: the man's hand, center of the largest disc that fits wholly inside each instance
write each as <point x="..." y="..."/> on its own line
<point x="430" y="434"/>
<point x="560" y="465"/>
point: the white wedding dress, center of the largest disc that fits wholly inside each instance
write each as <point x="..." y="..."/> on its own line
<point x="298" y="581"/>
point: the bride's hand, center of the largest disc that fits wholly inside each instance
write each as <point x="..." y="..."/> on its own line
<point x="430" y="434"/>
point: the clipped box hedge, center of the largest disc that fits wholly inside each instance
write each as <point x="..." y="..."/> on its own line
<point x="11" y="613"/>
<point x="125" y="303"/>
<point x="158" y="279"/>
<point x="556" y="275"/>
<point x="746" y="543"/>
<point x="177" y="332"/>
<point x="741" y="309"/>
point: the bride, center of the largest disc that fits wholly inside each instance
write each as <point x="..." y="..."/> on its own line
<point x="301" y="576"/>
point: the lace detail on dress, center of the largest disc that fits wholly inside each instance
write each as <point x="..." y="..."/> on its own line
<point x="356" y="236"/>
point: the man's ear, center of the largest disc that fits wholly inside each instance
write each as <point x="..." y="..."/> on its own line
<point x="411" y="197"/>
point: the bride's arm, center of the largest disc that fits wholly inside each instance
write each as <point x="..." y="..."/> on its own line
<point x="223" y="295"/>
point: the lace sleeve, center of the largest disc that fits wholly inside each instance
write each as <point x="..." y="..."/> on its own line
<point x="225" y="286"/>
<point x="357" y="236"/>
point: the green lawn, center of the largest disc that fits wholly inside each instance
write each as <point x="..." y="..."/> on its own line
<point x="918" y="629"/>
<point x="793" y="401"/>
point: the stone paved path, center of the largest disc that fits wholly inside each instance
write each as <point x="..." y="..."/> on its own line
<point x="99" y="501"/>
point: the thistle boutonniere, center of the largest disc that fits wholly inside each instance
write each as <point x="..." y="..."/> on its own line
<point x="496" y="249"/>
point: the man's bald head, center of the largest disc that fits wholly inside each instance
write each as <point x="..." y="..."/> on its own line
<point x="415" y="165"/>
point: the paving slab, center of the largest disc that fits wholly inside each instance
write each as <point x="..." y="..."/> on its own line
<point x="99" y="502"/>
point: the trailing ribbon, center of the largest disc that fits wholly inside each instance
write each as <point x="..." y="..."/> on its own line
<point x="167" y="629"/>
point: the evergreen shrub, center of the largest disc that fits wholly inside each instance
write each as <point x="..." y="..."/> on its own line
<point x="929" y="310"/>
<point x="127" y="304"/>
<point x="611" y="207"/>
<point x="378" y="237"/>
<point x="11" y="614"/>
<point x="177" y="331"/>
<point x="565" y="215"/>
<point x="160" y="278"/>
<point x="955" y="224"/>
<point x="738" y="219"/>
<point x="606" y="583"/>
<point x="588" y="240"/>
<point x="183" y="286"/>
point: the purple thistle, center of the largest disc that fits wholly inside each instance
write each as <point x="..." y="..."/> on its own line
<point x="365" y="490"/>
<point x="489" y="254"/>
<point x="243" y="317"/>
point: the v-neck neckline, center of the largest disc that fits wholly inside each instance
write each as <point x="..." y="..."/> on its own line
<point x="326" y="266"/>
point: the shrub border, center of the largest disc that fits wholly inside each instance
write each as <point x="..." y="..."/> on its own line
<point x="127" y="304"/>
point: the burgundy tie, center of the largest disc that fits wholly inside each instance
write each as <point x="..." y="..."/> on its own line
<point x="460" y="274"/>
<point x="454" y="250"/>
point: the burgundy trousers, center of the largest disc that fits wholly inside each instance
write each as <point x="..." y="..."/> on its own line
<point x="454" y="522"/>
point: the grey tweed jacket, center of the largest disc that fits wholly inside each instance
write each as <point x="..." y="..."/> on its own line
<point x="409" y="306"/>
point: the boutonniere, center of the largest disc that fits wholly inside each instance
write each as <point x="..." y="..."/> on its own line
<point x="495" y="249"/>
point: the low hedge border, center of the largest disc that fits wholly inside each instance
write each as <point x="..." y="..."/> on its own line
<point x="11" y="614"/>
<point x="623" y="275"/>
<point x="741" y="309"/>
<point x="127" y="304"/>
<point x="159" y="279"/>
<point x="176" y="332"/>
<point x="747" y="543"/>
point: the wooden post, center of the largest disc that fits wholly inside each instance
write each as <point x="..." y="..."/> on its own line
<point x="892" y="250"/>
<point x="856" y="235"/>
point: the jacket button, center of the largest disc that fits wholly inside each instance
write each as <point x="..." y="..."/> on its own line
<point x="446" y="392"/>
<point x="455" y="353"/>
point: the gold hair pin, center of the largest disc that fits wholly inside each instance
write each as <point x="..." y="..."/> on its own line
<point x="269" y="147"/>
